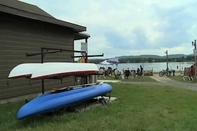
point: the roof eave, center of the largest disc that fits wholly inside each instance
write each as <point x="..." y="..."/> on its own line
<point x="80" y="36"/>
<point x="29" y="15"/>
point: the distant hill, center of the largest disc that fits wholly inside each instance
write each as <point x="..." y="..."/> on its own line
<point x="148" y="56"/>
<point x="154" y="56"/>
<point x="176" y="55"/>
<point x="140" y="56"/>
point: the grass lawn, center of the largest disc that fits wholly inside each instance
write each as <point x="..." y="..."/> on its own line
<point x="138" y="79"/>
<point x="141" y="79"/>
<point x="138" y="108"/>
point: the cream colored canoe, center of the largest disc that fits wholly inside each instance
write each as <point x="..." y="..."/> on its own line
<point x="61" y="69"/>
<point x="52" y="69"/>
<point x="23" y="70"/>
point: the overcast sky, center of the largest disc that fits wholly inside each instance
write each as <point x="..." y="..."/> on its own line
<point x="130" y="27"/>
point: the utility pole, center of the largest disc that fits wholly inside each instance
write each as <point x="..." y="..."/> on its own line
<point x="195" y="54"/>
<point x="167" y="70"/>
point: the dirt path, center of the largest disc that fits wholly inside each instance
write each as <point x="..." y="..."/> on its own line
<point x="173" y="83"/>
<point x="162" y="81"/>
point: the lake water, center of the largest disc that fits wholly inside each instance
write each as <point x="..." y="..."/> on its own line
<point x="149" y="66"/>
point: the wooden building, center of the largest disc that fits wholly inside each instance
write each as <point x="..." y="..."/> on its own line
<point x="25" y="28"/>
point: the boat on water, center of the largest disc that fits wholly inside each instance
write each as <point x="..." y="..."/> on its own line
<point x="54" y="100"/>
<point x="60" y="98"/>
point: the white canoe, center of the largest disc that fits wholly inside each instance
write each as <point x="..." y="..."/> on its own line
<point x="23" y="70"/>
<point x="52" y="69"/>
<point x="61" y="69"/>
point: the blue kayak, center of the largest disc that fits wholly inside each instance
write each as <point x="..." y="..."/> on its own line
<point x="54" y="100"/>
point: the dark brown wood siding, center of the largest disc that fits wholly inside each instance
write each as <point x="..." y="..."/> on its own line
<point x="19" y="36"/>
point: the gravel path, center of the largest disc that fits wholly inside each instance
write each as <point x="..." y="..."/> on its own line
<point x="161" y="81"/>
<point x="168" y="82"/>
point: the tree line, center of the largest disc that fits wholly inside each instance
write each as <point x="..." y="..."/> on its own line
<point x="149" y="60"/>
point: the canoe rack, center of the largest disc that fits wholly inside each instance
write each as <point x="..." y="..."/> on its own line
<point x="44" y="51"/>
<point x="102" y="100"/>
<point x="82" y="106"/>
<point x="73" y="87"/>
<point x="85" y="105"/>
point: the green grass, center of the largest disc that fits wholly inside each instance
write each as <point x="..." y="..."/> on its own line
<point x="107" y="78"/>
<point x="138" y="108"/>
<point x="138" y="79"/>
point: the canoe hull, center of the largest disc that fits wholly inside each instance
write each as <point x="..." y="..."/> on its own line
<point x="50" y="101"/>
<point x="24" y="70"/>
<point x="52" y="69"/>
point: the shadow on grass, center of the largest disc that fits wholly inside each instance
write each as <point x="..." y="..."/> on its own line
<point x="33" y="121"/>
<point x="45" y="119"/>
<point x="8" y="120"/>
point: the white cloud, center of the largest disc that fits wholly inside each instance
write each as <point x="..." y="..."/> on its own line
<point x="148" y="26"/>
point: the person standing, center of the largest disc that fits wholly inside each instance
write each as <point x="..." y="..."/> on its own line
<point x="191" y="72"/>
<point x="141" y="70"/>
<point x="138" y="71"/>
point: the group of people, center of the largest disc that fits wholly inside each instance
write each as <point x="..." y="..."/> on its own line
<point x="124" y="74"/>
<point x="128" y="73"/>
<point x="108" y="72"/>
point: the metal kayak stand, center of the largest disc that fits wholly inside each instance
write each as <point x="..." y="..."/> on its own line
<point x="45" y="51"/>
<point x="85" y="105"/>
